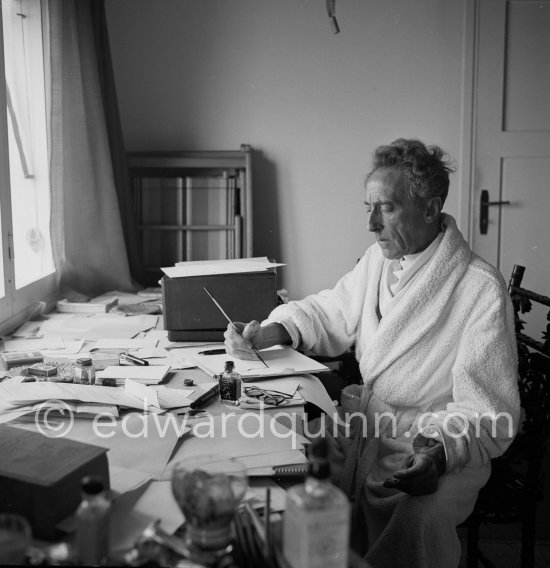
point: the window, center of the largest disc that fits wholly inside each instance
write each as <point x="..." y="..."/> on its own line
<point x="27" y="267"/>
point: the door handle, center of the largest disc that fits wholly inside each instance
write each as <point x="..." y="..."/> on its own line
<point x="484" y="210"/>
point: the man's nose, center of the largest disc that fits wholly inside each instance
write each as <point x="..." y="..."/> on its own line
<point x="374" y="224"/>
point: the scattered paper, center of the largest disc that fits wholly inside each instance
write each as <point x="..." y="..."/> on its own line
<point x="33" y="344"/>
<point x="148" y="395"/>
<point x="126" y="343"/>
<point x="280" y="362"/>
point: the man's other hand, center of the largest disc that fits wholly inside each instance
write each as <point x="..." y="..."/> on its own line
<point x="419" y="473"/>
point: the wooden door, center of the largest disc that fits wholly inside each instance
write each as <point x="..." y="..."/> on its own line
<point x="511" y="158"/>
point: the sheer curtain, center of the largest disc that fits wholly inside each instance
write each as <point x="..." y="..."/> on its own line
<point x="87" y="237"/>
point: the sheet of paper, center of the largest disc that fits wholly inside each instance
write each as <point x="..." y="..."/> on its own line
<point x="249" y="435"/>
<point x="263" y="259"/>
<point x="127" y="524"/>
<point x="145" y="393"/>
<point x="33" y="344"/>
<point x="173" y="398"/>
<point x="312" y="389"/>
<point x="150" y="352"/>
<point x="126" y="343"/>
<point x="280" y="362"/>
<point x="149" y="374"/>
<point x="27" y="393"/>
<point x="15" y="414"/>
<point x="124" y="298"/>
<point x="29" y="330"/>
<point x="72" y="347"/>
<point x="224" y="267"/>
<point x="124" y="480"/>
<point x="158" y="502"/>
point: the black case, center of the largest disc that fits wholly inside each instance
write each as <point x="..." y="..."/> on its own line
<point x="190" y="314"/>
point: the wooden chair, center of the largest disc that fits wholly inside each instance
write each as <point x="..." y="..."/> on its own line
<point x="516" y="483"/>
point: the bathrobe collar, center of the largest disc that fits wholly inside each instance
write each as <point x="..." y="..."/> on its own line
<point x="419" y="310"/>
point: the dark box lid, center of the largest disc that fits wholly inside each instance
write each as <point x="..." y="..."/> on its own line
<point x="36" y="459"/>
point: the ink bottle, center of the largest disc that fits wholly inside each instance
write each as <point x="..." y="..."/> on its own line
<point x="84" y="372"/>
<point x="316" y="522"/>
<point x="230" y="385"/>
<point x="92" y="523"/>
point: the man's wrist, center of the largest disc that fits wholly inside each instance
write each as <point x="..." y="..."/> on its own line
<point x="274" y="334"/>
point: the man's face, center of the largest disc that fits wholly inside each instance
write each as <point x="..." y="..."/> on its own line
<point x="400" y="228"/>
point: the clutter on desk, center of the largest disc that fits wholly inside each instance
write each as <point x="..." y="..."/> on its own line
<point x="144" y="414"/>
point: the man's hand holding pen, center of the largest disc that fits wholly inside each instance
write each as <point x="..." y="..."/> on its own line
<point x="242" y="340"/>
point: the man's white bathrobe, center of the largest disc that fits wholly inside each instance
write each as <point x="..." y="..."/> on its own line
<point x="443" y="363"/>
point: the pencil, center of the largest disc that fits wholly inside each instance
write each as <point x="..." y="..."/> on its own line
<point x="231" y="323"/>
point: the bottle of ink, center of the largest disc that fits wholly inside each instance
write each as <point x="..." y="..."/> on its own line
<point x="316" y="523"/>
<point x="84" y="372"/>
<point x="92" y="523"/>
<point x="230" y="385"/>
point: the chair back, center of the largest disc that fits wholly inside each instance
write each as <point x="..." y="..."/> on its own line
<point x="534" y="384"/>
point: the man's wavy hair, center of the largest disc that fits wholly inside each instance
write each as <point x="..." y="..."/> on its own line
<point x="426" y="167"/>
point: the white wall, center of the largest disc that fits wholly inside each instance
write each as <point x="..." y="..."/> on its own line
<point x="212" y="74"/>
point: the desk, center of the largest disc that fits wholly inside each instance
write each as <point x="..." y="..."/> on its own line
<point x="141" y="480"/>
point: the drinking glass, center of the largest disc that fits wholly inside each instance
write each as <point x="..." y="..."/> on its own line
<point x="208" y="490"/>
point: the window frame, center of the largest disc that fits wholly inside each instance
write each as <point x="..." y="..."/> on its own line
<point x="17" y="304"/>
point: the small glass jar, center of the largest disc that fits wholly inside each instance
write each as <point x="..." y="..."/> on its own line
<point x="84" y="372"/>
<point x="230" y="385"/>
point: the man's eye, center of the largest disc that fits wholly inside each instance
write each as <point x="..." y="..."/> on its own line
<point x="369" y="209"/>
<point x="387" y="208"/>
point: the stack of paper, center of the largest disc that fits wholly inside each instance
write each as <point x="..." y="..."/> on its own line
<point x="91" y="307"/>
<point x="208" y="267"/>
<point x="146" y="375"/>
<point x="84" y="401"/>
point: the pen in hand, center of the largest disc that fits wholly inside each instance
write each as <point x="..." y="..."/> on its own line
<point x="231" y="323"/>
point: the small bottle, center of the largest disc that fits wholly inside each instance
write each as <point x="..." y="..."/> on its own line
<point x="84" y="372"/>
<point x="230" y="385"/>
<point x="92" y="523"/>
<point x="316" y="523"/>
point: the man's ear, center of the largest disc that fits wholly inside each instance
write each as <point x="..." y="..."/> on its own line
<point x="433" y="209"/>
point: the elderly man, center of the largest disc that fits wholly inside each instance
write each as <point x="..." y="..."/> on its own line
<point x="433" y="332"/>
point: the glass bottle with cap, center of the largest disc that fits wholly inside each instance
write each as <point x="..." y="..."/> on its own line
<point x="230" y="385"/>
<point x="316" y="523"/>
<point x="84" y="371"/>
<point x="92" y="523"/>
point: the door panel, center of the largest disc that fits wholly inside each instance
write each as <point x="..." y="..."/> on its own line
<point x="512" y="138"/>
<point x="511" y="152"/>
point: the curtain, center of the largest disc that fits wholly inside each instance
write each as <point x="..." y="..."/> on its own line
<point x="87" y="236"/>
<point x="128" y="214"/>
